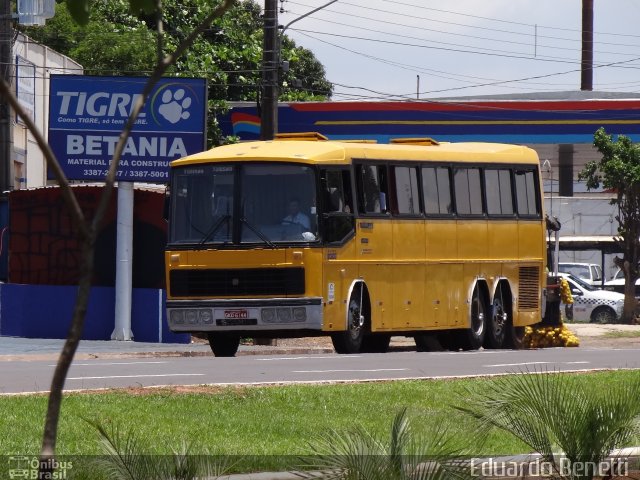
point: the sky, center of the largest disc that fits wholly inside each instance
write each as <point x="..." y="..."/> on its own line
<point x="407" y="49"/>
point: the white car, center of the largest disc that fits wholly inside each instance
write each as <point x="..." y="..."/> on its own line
<point x="616" y="284"/>
<point x="589" y="272"/>
<point x="592" y="304"/>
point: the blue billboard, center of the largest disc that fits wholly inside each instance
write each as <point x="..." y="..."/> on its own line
<point x="87" y="115"/>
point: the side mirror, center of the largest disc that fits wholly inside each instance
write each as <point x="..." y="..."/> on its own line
<point x="576" y="292"/>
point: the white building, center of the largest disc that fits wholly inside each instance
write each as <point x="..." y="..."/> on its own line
<point x="34" y="63"/>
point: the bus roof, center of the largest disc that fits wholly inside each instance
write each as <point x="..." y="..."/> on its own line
<point x="335" y="152"/>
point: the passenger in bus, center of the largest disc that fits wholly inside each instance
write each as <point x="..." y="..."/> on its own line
<point x="295" y="216"/>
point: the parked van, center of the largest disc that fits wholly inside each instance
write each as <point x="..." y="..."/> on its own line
<point x="591" y="273"/>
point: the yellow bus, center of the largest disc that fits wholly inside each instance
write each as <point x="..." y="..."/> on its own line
<point x="301" y="236"/>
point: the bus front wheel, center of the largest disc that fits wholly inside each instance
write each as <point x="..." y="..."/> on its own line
<point x="350" y="341"/>
<point x="224" y="344"/>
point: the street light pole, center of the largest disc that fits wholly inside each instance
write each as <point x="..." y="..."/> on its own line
<point x="6" y="72"/>
<point x="270" y="55"/>
<point x="272" y="45"/>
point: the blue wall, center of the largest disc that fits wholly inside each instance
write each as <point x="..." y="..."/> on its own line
<point x="4" y="239"/>
<point x="44" y="311"/>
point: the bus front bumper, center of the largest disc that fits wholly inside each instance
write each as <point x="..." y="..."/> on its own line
<point x="245" y="314"/>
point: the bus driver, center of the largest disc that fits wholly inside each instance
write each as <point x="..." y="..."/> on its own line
<point x="295" y="216"/>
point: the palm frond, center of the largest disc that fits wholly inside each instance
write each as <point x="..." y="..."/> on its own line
<point x="553" y="414"/>
<point x="127" y="458"/>
<point x="357" y="455"/>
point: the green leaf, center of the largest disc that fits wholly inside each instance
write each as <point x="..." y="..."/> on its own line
<point x="79" y="10"/>
<point x="147" y="6"/>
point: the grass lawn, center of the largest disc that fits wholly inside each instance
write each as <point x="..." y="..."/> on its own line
<point x="270" y="424"/>
<point x="623" y="334"/>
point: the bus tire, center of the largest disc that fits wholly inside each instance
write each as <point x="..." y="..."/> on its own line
<point x="375" y="343"/>
<point x="498" y="323"/>
<point x="350" y="340"/>
<point x="448" y="340"/>
<point x="472" y="338"/>
<point x="224" y="344"/>
<point x="428" y="342"/>
<point x="515" y="337"/>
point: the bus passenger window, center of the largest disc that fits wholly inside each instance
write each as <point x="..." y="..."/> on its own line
<point x="437" y="191"/>
<point x="499" y="193"/>
<point x="372" y="182"/>
<point x="468" y="190"/>
<point x="526" y="193"/>
<point x="407" y="199"/>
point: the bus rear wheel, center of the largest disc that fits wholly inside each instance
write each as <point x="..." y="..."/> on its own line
<point x="515" y="337"/>
<point x="224" y="344"/>
<point x="498" y="324"/>
<point x="350" y="341"/>
<point x="472" y="338"/>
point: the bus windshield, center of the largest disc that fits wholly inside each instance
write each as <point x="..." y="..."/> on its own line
<point x="249" y="203"/>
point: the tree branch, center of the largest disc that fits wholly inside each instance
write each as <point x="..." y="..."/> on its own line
<point x="77" y="215"/>
<point x="88" y="244"/>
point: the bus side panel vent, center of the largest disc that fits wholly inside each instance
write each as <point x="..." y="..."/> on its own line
<point x="237" y="282"/>
<point x="529" y="286"/>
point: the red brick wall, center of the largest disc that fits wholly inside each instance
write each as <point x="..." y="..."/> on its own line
<point x="43" y="246"/>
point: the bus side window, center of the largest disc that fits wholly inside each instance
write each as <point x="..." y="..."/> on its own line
<point x="372" y="183"/>
<point x="468" y="191"/>
<point x="526" y="193"/>
<point x="337" y="203"/>
<point x="334" y="191"/>
<point x="436" y="188"/>
<point x="499" y="191"/>
<point x="404" y="196"/>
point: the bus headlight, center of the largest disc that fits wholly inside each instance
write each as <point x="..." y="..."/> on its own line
<point x="191" y="316"/>
<point x="284" y="315"/>
<point x="299" y="314"/>
<point x="206" y="316"/>
<point x="176" y="317"/>
<point x="268" y="315"/>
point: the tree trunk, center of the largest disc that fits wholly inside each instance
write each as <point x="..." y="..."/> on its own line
<point x="86" y="229"/>
<point x="630" y="302"/>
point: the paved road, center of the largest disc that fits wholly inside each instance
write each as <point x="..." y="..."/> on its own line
<point x="34" y="376"/>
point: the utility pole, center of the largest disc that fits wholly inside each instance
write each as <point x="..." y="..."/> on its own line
<point x="6" y="72"/>
<point x="586" y="69"/>
<point x="270" y="55"/>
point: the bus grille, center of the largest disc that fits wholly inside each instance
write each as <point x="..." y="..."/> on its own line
<point x="529" y="282"/>
<point x="236" y="282"/>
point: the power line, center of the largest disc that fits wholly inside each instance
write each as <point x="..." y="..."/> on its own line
<point x="414" y="68"/>
<point x="387" y="22"/>
<point x="489" y="52"/>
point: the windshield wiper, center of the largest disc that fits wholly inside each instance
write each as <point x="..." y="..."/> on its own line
<point x="260" y="235"/>
<point x="215" y="227"/>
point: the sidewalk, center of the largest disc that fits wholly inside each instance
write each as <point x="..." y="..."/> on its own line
<point x="12" y="348"/>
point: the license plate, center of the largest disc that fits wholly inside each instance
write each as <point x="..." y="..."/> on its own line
<point x="236" y="314"/>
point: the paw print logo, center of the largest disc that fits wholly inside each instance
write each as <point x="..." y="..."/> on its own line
<point x="174" y="105"/>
